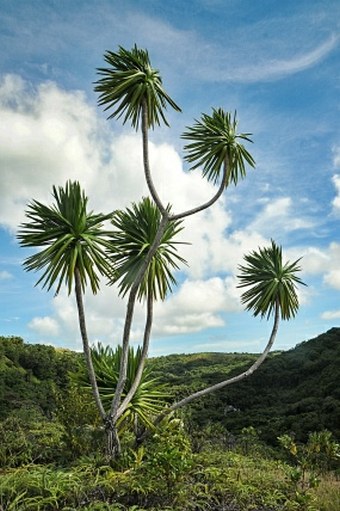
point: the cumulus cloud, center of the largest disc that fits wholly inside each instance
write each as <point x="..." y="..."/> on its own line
<point x="44" y="326"/>
<point x="320" y="261"/>
<point x="198" y="304"/>
<point x="279" y="216"/>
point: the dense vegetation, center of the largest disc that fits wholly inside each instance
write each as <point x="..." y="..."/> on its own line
<point x="294" y="391"/>
<point x="221" y="453"/>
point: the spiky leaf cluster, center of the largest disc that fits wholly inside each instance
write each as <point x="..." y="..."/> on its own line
<point x="271" y="282"/>
<point x="215" y="143"/>
<point x="128" y="83"/>
<point x="70" y="237"/>
<point x="134" y="231"/>
<point x="150" y="395"/>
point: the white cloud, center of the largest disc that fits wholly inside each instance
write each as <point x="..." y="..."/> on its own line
<point x="44" y="326"/>
<point x="336" y="182"/>
<point x="332" y="278"/>
<point x="320" y="261"/>
<point x="330" y="315"/>
<point x="257" y="53"/>
<point x="278" y="216"/>
<point x="5" y="275"/>
<point x="197" y="305"/>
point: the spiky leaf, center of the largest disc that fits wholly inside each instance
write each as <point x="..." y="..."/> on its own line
<point x="215" y="143"/>
<point x="70" y="237"/>
<point x="270" y="281"/>
<point x="130" y="81"/>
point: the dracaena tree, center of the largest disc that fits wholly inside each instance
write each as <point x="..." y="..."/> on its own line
<point x="131" y="89"/>
<point x="141" y="250"/>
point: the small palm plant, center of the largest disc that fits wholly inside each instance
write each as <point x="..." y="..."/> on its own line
<point x="149" y="398"/>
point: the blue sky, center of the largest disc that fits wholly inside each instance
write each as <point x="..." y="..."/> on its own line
<point x="276" y="63"/>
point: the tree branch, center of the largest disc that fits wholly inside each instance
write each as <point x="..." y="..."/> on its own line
<point x="232" y="380"/>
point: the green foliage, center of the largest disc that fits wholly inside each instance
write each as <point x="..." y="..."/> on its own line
<point x="149" y="398"/>
<point x="294" y="391"/>
<point x="29" y="374"/>
<point x="271" y="282"/>
<point x="28" y="437"/>
<point x="134" y="232"/>
<point x="310" y="461"/>
<point x="129" y="83"/>
<point x="215" y="144"/>
<point x="73" y="237"/>
<point x="162" y="475"/>
<point x="78" y="415"/>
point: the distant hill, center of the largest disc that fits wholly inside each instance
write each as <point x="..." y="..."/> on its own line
<point x="29" y="373"/>
<point x="294" y="391"/>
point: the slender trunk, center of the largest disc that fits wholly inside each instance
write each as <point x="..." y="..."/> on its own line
<point x="224" y="183"/>
<point x="129" y="316"/>
<point x="146" y="163"/>
<point x="113" y="447"/>
<point x="239" y="377"/>
<point x="86" y="346"/>
<point x="151" y="186"/>
<point x="230" y="381"/>
<point x="144" y="354"/>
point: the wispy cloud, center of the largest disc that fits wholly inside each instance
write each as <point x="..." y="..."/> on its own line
<point x="330" y="315"/>
<point x="257" y="54"/>
<point x="5" y="275"/>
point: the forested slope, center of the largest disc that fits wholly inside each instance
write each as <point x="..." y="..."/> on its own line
<point x="295" y="391"/>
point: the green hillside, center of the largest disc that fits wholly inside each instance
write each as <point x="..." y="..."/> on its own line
<point x="51" y="449"/>
<point x="294" y="391"/>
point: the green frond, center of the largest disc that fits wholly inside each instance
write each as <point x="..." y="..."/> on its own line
<point x="150" y="396"/>
<point x="134" y="231"/>
<point x="130" y="81"/>
<point x="271" y="282"/>
<point x="214" y="142"/>
<point x="69" y="237"/>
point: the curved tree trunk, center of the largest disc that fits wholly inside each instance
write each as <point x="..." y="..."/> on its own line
<point x="146" y="163"/>
<point x="202" y="207"/>
<point x="144" y="354"/>
<point x="239" y="377"/>
<point x="224" y="383"/>
<point x="129" y="317"/>
<point x="86" y="346"/>
<point x="112" y="441"/>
